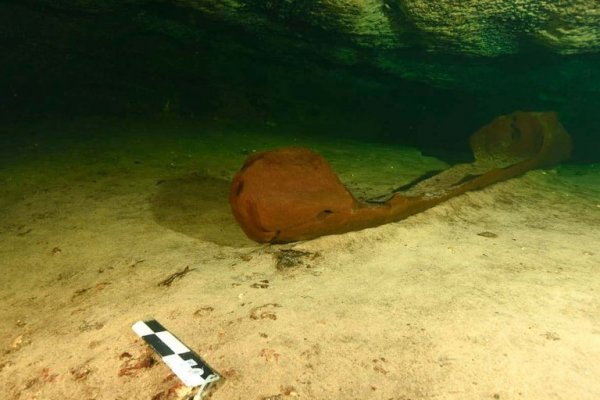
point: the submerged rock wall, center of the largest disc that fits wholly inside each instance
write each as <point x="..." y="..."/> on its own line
<point x="420" y="72"/>
<point x="472" y="27"/>
<point x="477" y="27"/>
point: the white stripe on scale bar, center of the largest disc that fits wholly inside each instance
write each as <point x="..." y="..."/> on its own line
<point x="141" y="329"/>
<point x="191" y="377"/>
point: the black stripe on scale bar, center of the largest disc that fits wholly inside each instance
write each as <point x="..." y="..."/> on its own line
<point x="155" y="326"/>
<point x="190" y="355"/>
<point x="158" y="345"/>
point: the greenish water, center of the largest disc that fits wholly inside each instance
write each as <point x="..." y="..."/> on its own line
<point x="274" y="65"/>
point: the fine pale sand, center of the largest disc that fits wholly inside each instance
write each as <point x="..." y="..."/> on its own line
<point x="492" y="295"/>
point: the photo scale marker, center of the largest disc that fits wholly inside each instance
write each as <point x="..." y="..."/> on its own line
<point x="189" y="367"/>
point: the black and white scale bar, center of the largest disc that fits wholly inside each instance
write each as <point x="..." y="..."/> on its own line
<point x="187" y="365"/>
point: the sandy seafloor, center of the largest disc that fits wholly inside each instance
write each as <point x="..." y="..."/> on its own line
<point x="95" y="213"/>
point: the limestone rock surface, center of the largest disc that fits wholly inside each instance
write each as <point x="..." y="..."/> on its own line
<point x="478" y="27"/>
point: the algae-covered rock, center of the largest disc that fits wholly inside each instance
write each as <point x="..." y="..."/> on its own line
<point x="494" y="27"/>
<point x="417" y="70"/>
<point x="480" y="27"/>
